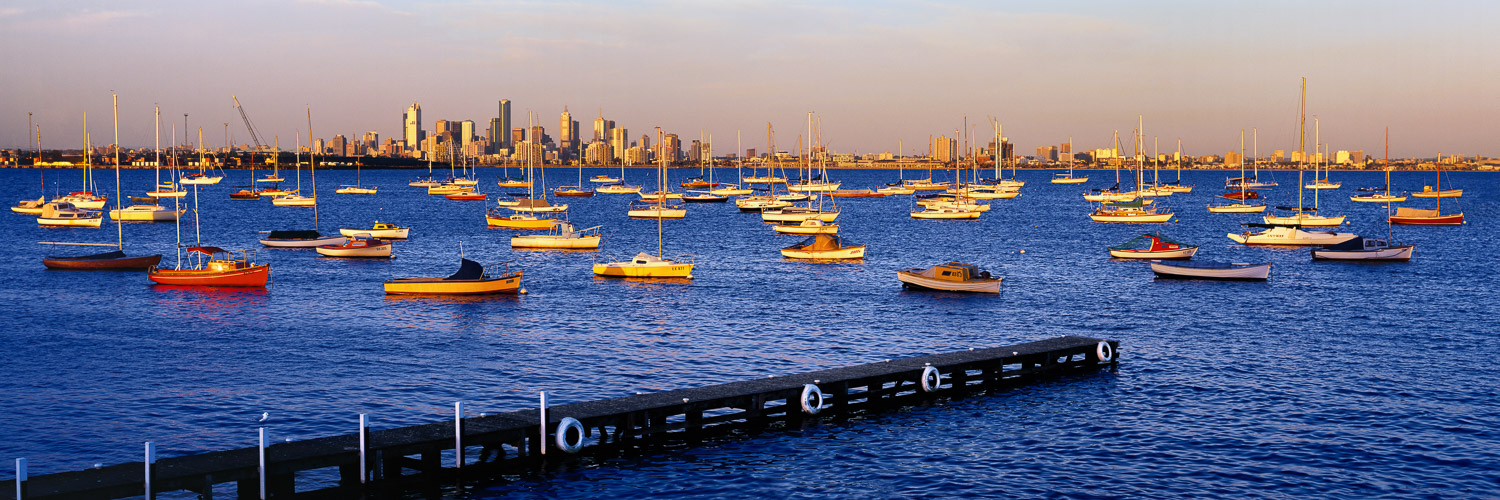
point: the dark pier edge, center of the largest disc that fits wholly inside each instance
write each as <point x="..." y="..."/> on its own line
<point x="410" y="459"/>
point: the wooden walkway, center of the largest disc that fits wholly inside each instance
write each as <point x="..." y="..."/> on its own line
<point x="431" y="456"/>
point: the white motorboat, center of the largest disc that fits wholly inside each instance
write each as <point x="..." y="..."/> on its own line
<point x="1304" y="219"/>
<point x="294" y="200"/>
<point x="84" y="199"/>
<point x="730" y="190"/>
<point x="618" y="188"/>
<point x="361" y="245"/>
<point x="144" y="212"/>
<point x="641" y="209"/>
<point x="945" y="213"/>
<point x="1153" y="246"/>
<point x="1212" y="270"/>
<point x="797" y="214"/>
<point x="562" y="235"/>
<point x="356" y="190"/>
<point x="604" y="179"/>
<point x="1361" y="248"/>
<point x="380" y="230"/>
<point x="424" y="183"/>
<point x="950" y="277"/>
<point x="61" y="213"/>
<point x="760" y="203"/>
<point x="890" y="190"/>
<point x="809" y="226"/>
<point x="1290" y="236"/>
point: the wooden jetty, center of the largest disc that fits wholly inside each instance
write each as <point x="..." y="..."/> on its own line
<point x="429" y="457"/>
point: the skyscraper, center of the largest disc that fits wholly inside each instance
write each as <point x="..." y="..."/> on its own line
<point x="466" y="132"/>
<point x="412" y="127"/>
<point x="495" y="135"/>
<point x="568" y="136"/>
<point x="503" y="140"/>
<point x="619" y="141"/>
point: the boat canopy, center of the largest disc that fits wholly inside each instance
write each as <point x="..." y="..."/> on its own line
<point x="207" y="250"/>
<point x="1356" y="243"/>
<point x="306" y="234"/>
<point x="1138" y="203"/>
<point x="820" y="242"/>
<point x="98" y="256"/>
<point x="467" y="270"/>
<point x="1150" y="241"/>
<point x="1415" y="212"/>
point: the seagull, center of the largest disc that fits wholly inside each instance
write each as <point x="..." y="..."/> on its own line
<point x="264" y="416"/>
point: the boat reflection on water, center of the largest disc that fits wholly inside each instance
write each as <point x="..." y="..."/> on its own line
<point x="452" y="299"/>
<point x="185" y="304"/>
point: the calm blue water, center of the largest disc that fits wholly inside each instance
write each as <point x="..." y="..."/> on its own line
<point x="1330" y="380"/>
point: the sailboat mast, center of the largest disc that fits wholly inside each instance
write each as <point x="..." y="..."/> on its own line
<point x="661" y="188"/>
<point x="1318" y="145"/>
<point x="119" y="226"/>
<point x="1301" y="140"/>
<point x="312" y="168"/>
<point x="158" y="148"/>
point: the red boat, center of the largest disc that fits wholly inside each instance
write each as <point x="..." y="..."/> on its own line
<point x="1242" y="195"/>
<point x="467" y="195"/>
<point x="1419" y="217"/>
<point x="230" y="270"/>
<point x="572" y="191"/>
<point x="855" y="193"/>
<point x="115" y="260"/>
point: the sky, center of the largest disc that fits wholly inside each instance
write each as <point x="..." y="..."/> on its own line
<point x="881" y="76"/>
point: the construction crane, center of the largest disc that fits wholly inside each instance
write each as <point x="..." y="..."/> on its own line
<point x="254" y="135"/>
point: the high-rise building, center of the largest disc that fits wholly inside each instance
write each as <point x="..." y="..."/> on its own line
<point x="412" y="128"/>
<point x="695" y="152"/>
<point x="568" y="134"/>
<point x="516" y="136"/>
<point x="1066" y="147"/>
<point x="671" y="148"/>
<point x="597" y="153"/>
<point x="466" y="132"/>
<point x="619" y="141"/>
<point x="443" y="128"/>
<point x="944" y="149"/>
<point x="372" y="139"/>
<point x="1233" y="158"/>
<point x="645" y="142"/>
<point x="493" y="134"/>
<point x="502" y="141"/>
<point x="750" y="153"/>
<point x="601" y="128"/>
<point x="538" y="136"/>
<point x="1046" y="153"/>
<point x="339" y="145"/>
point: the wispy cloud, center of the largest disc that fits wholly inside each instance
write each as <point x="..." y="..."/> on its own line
<point x="364" y="4"/>
<point x="91" y="18"/>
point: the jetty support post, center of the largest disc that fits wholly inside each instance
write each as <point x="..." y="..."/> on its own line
<point x="364" y="448"/>
<point x="542" y="439"/>
<point x="458" y="434"/>
<point x="261" y="469"/>
<point x="20" y="478"/>
<point x="150" y="463"/>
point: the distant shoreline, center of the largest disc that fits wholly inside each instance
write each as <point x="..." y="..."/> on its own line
<point x="1464" y="168"/>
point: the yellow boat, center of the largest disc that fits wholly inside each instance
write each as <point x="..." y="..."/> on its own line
<point x="519" y="221"/>
<point x="645" y="265"/>
<point x="471" y="279"/>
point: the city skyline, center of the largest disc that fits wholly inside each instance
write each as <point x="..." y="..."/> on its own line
<point x="875" y="73"/>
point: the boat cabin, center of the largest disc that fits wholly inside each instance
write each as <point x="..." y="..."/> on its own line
<point x="956" y="271"/>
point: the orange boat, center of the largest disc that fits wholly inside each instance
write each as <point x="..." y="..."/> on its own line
<point x="855" y="193"/>
<point x="212" y="269"/>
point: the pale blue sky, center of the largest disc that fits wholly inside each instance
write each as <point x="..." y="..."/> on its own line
<point x="875" y="72"/>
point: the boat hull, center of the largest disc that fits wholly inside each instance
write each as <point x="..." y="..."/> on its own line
<point x="200" y="181"/>
<point x="652" y="213"/>
<point x="1446" y="193"/>
<point x="1291" y="237"/>
<point x="1256" y="272"/>
<point x="87" y="264"/>
<point x="653" y="270"/>
<point x="1181" y="253"/>
<point x="1069" y="180"/>
<point x="395" y="234"/>
<point x="554" y="241"/>
<point x="438" y="286"/>
<point x="527" y="223"/>
<point x="1402" y="252"/>
<point x="798" y="216"/>
<point x="382" y="251"/>
<point x="248" y="277"/>
<point x="913" y="280"/>
<point x="801" y="229"/>
<point x="1437" y="220"/>
<point x="356" y="190"/>
<point x="1305" y="220"/>
<point x="1133" y="219"/>
<point x="1237" y="208"/>
<point x="944" y="215"/>
<point x="304" y="243"/>
<point x="160" y="214"/>
<point x="1377" y="198"/>
<point x="854" y="252"/>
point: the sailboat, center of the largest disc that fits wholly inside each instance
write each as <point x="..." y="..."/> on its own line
<point x="1239" y="206"/>
<point x="576" y="190"/>
<point x="202" y="177"/>
<point x="656" y="206"/>
<point x="1301" y="216"/>
<point x="739" y="170"/>
<point x="1429" y="192"/>
<point x="161" y="189"/>
<point x="292" y="198"/>
<point x="616" y="185"/>
<point x="1111" y="193"/>
<point x="1434" y="217"/>
<point x="1132" y="211"/>
<point x="707" y="196"/>
<point x="472" y="278"/>
<point x="823" y="246"/>
<point x="311" y="237"/>
<point x="85" y="199"/>
<point x="810" y="183"/>
<point x="33" y="207"/>
<point x="1385" y="197"/>
<point x="898" y="187"/>
<point x="146" y="209"/>
<point x="520" y="218"/>
<point x="1068" y="178"/>
<point x="770" y="177"/>
<point x="358" y="187"/>
<point x="1176" y="186"/>
<point x="645" y="265"/>
<point x="114" y="260"/>
<point x="562" y="235"/>
<point x="1322" y="183"/>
